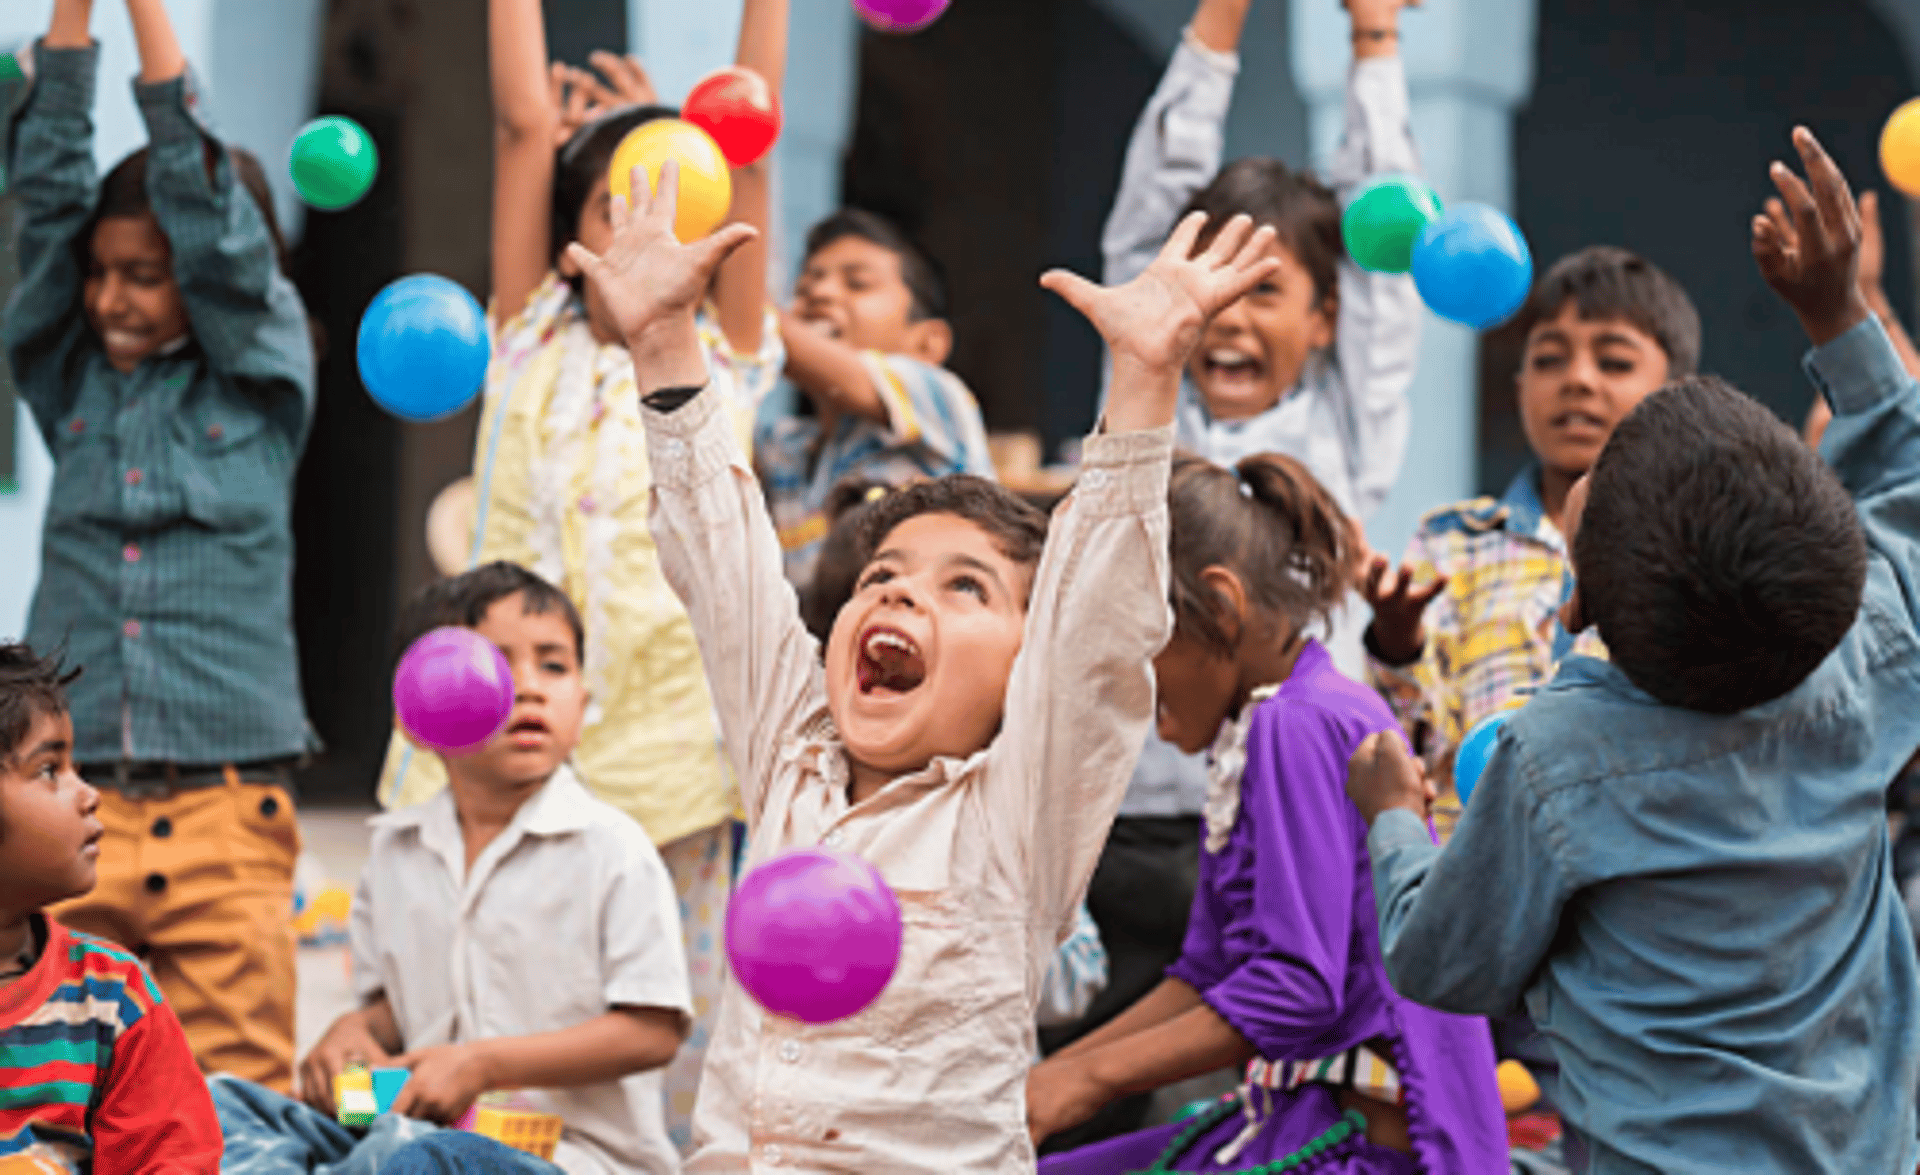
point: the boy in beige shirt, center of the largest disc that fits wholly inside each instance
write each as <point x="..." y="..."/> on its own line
<point x="969" y="730"/>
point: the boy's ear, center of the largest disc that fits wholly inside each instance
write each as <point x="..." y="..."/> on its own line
<point x="1573" y="612"/>
<point x="1324" y="322"/>
<point x="930" y="340"/>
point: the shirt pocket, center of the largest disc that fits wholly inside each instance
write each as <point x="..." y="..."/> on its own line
<point x="231" y="466"/>
<point x="86" y="482"/>
<point x="946" y="975"/>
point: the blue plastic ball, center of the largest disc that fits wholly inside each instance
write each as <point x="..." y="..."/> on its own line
<point x="423" y="347"/>
<point x="1475" y="749"/>
<point x="1472" y="266"/>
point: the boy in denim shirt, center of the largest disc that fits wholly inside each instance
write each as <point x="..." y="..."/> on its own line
<point x="1680" y="857"/>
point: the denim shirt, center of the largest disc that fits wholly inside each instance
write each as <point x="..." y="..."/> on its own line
<point x="1699" y="909"/>
<point x="168" y="546"/>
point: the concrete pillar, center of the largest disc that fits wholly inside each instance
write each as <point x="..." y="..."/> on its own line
<point x="1469" y="66"/>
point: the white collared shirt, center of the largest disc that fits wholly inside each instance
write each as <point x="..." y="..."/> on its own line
<point x="568" y="913"/>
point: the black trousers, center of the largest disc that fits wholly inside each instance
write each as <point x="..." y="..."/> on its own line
<point x="1140" y="897"/>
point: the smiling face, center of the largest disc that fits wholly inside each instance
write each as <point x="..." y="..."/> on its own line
<point x="549" y="696"/>
<point x="132" y="300"/>
<point x="918" y="660"/>
<point x="853" y="290"/>
<point x="1580" y="378"/>
<point x="1253" y="352"/>
<point x="49" y="837"/>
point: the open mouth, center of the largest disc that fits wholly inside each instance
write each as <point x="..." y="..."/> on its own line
<point x="889" y="662"/>
<point x="122" y="340"/>
<point x="1230" y="365"/>
<point x="525" y="731"/>
<point x="90" y="848"/>
<point x="825" y="327"/>
<point x="1578" y="421"/>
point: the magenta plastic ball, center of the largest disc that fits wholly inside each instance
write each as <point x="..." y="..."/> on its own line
<point x="453" y="691"/>
<point x="900" y="16"/>
<point x="814" y="935"/>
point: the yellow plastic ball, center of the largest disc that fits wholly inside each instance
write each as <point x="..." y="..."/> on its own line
<point x="1518" y="1090"/>
<point x="1900" y="148"/>
<point x="706" y="185"/>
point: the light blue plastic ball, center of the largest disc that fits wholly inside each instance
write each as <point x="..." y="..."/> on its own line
<point x="1472" y="266"/>
<point x="1475" y="749"/>
<point x="423" y="347"/>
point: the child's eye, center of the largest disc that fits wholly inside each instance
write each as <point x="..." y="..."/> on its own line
<point x="878" y="575"/>
<point x="554" y="666"/>
<point x="967" y="583"/>
<point x="1617" y="366"/>
<point x="50" y="771"/>
<point x="1265" y="290"/>
<point x="1548" y="362"/>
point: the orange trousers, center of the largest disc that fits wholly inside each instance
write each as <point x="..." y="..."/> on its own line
<point x="199" y="884"/>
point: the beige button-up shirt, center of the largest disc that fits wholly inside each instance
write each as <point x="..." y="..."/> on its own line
<point x="989" y="855"/>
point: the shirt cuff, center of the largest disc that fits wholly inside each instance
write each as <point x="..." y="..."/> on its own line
<point x="1859" y="370"/>
<point x="1396" y="828"/>
<point x="690" y="444"/>
<point x="1226" y="64"/>
<point x="169" y="109"/>
<point x="65" y="77"/>
<point x="1124" y="473"/>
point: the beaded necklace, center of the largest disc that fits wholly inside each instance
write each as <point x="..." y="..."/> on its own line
<point x="1351" y="1123"/>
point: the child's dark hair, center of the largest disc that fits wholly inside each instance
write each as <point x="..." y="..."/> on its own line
<point x="917" y="269"/>
<point x="1269" y="522"/>
<point x="1603" y="281"/>
<point x="124" y="193"/>
<point x="462" y="600"/>
<point x="31" y="686"/>
<point x="1017" y="527"/>
<point x="1719" y="556"/>
<point x="843" y="553"/>
<point x="1303" y="212"/>
<point x="581" y="163"/>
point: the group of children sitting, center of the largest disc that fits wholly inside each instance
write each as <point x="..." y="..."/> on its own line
<point x="837" y="625"/>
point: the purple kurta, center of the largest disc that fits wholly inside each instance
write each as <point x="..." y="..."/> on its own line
<point x="1284" y="944"/>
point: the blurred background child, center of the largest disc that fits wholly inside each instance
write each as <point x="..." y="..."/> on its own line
<point x="167" y="361"/>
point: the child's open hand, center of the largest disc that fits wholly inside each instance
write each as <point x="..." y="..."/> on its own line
<point x="648" y="281"/>
<point x="1810" y="252"/>
<point x="1397" y="607"/>
<point x="582" y="95"/>
<point x="1155" y="320"/>
<point x="1382" y="774"/>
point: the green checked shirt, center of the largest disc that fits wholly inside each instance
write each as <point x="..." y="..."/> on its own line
<point x="168" y="549"/>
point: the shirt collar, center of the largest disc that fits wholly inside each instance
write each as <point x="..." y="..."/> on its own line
<point x="1521" y="501"/>
<point x="562" y="806"/>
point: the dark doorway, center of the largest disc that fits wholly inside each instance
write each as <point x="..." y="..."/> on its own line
<point x="995" y="137"/>
<point x="1651" y="126"/>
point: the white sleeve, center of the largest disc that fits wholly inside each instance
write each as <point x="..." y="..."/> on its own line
<point x="643" y="957"/>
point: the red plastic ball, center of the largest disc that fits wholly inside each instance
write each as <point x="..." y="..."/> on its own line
<point x="741" y="112"/>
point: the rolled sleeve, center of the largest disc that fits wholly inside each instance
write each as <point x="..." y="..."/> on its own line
<point x="1858" y="371"/>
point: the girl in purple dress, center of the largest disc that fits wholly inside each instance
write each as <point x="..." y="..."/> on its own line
<point x="1281" y="971"/>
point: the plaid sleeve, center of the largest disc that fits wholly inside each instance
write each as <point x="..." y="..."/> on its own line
<point x="245" y="312"/>
<point x="930" y="407"/>
<point x="1078" y="974"/>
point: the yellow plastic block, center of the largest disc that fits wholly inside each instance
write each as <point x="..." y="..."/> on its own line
<point x="523" y="1130"/>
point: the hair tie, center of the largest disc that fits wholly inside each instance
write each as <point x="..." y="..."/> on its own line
<point x="1246" y="487"/>
<point x="875" y="493"/>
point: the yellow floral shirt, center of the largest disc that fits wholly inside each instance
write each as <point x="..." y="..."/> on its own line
<point x="562" y="486"/>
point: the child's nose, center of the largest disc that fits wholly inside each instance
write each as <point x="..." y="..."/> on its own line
<point x="88" y="798"/>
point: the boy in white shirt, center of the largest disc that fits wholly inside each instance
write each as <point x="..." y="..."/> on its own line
<point x="970" y="728"/>
<point x="514" y="932"/>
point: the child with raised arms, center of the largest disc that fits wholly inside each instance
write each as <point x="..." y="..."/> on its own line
<point x="1281" y="971"/>
<point x="969" y="730"/>
<point x="1680" y="856"/>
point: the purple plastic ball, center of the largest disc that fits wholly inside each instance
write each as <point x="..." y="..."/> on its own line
<point x="453" y="691"/>
<point x="814" y="935"/>
<point x="900" y="16"/>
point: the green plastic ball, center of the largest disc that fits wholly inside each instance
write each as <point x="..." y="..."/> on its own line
<point x="1384" y="220"/>
<point x="333" y="162"/>
<point x="1194" y="1109"/>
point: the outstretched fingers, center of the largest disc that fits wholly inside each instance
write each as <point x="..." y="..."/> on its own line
<point x="1073" y="289"/>
<point x="1179" y="246"/>
<point x="1838" y="212"/>
<point x="1227" y="242"/>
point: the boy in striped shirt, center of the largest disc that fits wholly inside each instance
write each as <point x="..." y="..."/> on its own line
<point x="95" y="1073"/>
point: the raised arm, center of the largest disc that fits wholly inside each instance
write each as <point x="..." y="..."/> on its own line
<point x="1177" y="144"/>
<point x="1873" y="254"/>
<point x="717" y="544"/>
<point x="245" y="312"/>
<point x="49" y="164"/>
<point x="1080" y="698"/>
<point x="525" y="123"/>
<point x="1377" y="339"/>
<point x="740" y="289"/>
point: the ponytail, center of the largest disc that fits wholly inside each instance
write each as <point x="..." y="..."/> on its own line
<point x="1270" y="523"/>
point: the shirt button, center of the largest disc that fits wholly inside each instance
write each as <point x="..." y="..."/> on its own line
<point x="269" y="807"/>
<point x="790" y="1052"/>
<point x="77" y="427"/>
<point x="773" y="1156"/>
<point x="156" y="882"/>
<point x="215" y="432"/>
<point x="134" y="477"/>
<point x="130" y="553"/>
<point x="1094" y="478"/>
<point x="678" y="449"/>
<point x="162" y="828"/>
<point x="832" y="839"/>
<point x="131" y="628"/>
